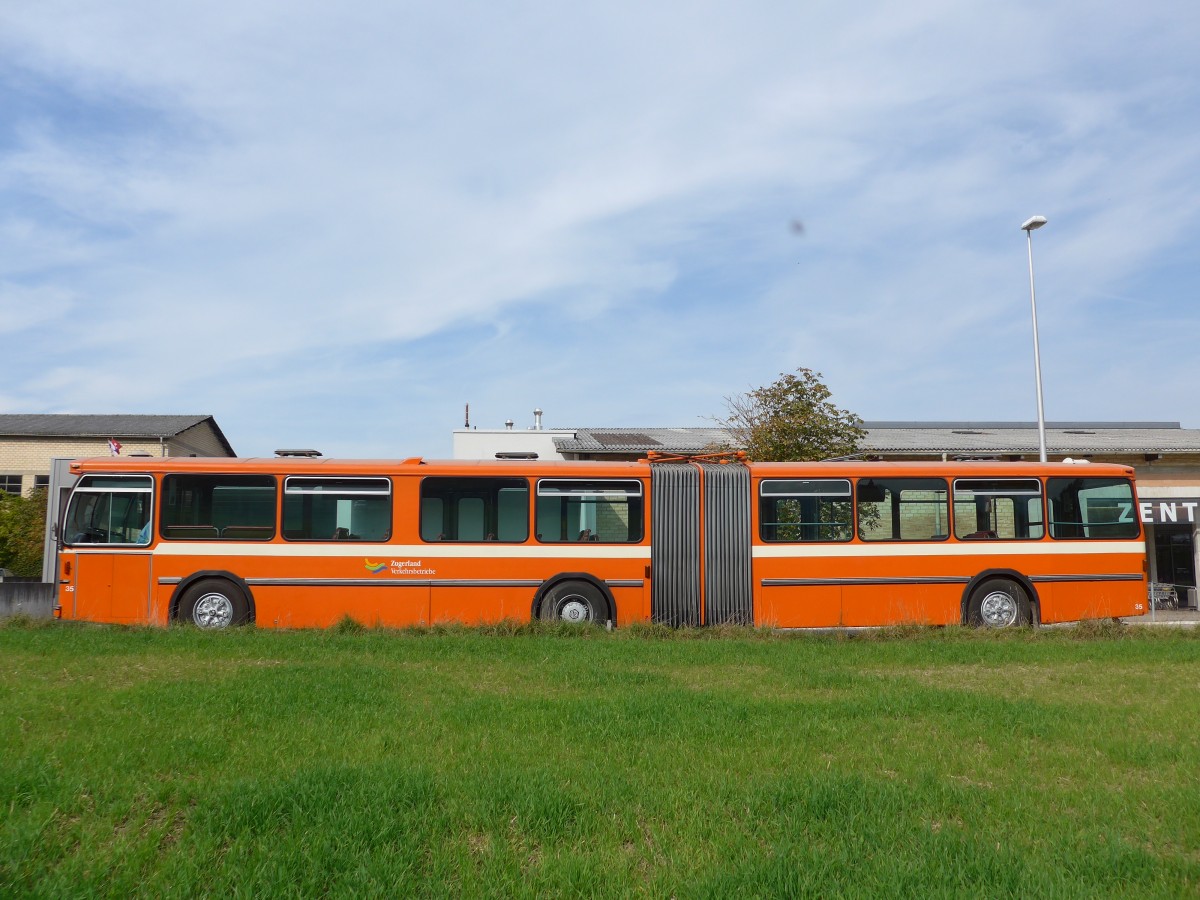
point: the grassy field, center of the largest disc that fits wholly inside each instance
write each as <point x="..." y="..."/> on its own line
<point x="547" y="761"/>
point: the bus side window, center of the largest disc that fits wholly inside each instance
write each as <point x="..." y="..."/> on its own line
<point x="474" y="509"/>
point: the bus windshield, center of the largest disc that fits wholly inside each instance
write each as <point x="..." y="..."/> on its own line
<point x="108" y="509"/>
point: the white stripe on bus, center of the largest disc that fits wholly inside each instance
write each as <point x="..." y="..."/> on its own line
<point x="382" y="552"/>
<point x="973" y="548"/>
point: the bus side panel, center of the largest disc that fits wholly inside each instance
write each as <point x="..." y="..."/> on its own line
<point x="320" y="606"/>
<point x="478" y="605"/>
<point x="633" y="604"/>
<point x="901" y="603"/>
<point x="1074" y="600"/>
<point x="792" y="606"/>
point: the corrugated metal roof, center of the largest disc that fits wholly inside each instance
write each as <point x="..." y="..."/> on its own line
<point x="923" y="437"/>
<point x="633" y="440"/>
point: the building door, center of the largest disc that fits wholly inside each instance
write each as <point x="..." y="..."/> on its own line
<point x="1174" y="555"/>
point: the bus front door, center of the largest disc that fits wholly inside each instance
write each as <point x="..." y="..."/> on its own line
<point x="112" y="587"/>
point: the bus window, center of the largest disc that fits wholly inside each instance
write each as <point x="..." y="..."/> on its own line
<point x="218" y="507"/>
<point x="337" y="509"/>
<point x="110" y="509"/>
<point x="608" y="512"/>
<point x="475" y="509"/>
<point x="1089" y="508"/>
<point x="793" y="510"/>
<point x="903" y="509"/>
<point x="998" y="509"/>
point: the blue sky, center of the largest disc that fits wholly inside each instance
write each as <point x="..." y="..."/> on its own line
<point x="333" y="225"/>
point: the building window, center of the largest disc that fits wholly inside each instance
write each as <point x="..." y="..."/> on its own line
<point x="41" y="481"/>
<point x="10" y="484"/>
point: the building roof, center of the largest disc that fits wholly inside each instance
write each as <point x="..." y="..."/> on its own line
<point x="105" y="426"/>
<point x="634" y="440"/>
<point x="1022" y="437"/>
<point x="922" y="437"/>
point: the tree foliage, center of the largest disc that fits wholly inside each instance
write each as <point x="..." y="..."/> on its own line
<point x="22" y="529"/>
<point x="792" y="419"/>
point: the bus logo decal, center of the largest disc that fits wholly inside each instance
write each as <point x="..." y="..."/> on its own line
<point x="375" y="568"/>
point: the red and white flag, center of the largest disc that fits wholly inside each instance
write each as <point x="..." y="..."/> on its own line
<point x="114" y="446"/>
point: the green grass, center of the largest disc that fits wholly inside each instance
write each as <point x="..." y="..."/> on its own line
<point x="546" y="761"/>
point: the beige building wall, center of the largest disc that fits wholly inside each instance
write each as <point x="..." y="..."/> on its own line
<point x="30" y="457"/>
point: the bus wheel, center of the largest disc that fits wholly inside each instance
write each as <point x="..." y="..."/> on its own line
<point x="212" y="604"/>
<point x="998" y="603"/>
<point x="573" y="601"/>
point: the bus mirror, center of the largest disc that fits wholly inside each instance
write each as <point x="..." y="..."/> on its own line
<point x="870" y="492"/>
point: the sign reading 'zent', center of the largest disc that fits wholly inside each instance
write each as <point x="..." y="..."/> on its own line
<point x="1177" y="510"/>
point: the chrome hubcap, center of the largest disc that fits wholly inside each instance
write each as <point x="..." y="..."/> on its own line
<point x="573" y="611"/>
<point x="213" y="611"/>
<point x="998" y="609"/>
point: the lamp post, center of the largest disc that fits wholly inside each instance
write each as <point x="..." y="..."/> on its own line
<point x="1031" y="225"/>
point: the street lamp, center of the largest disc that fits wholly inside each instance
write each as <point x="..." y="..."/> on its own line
<point x="1031" y="225"/>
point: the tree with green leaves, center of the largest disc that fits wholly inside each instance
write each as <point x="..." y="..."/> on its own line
<point x="22" y="528"/>
<point x="792" y="419"/>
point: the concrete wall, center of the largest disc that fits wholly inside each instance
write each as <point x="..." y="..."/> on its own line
<point x="32" y="598"/>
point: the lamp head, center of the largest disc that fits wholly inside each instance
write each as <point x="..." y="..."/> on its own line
<point x="1033" y="223"/>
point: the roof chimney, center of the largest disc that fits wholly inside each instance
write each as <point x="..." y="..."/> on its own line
<point x="508" y="424"/>
<point x="537" y="420"/>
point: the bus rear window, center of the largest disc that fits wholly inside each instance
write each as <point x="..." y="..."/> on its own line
<point x="1091" y="508"/>
<point x="218" y="507"/>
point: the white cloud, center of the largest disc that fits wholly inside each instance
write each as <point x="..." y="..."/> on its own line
<point x="357" y="216"/>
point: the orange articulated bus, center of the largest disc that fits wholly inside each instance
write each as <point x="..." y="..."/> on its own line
<point x="297" y="543"/>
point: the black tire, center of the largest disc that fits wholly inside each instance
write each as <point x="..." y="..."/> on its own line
<point x="576" y="602"/>
<point x="213" y="604"/>
<point x="998" y="603"/>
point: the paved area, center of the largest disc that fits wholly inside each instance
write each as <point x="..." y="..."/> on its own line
<point x="1179" y="617"/>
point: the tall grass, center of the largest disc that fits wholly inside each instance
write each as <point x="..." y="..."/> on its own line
<point x="532" y="760"/>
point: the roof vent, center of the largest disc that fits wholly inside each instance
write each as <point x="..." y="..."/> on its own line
<point x="1077" y="431"/>
<point x="306" y="453"/>
<point x="517" y="454"/>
